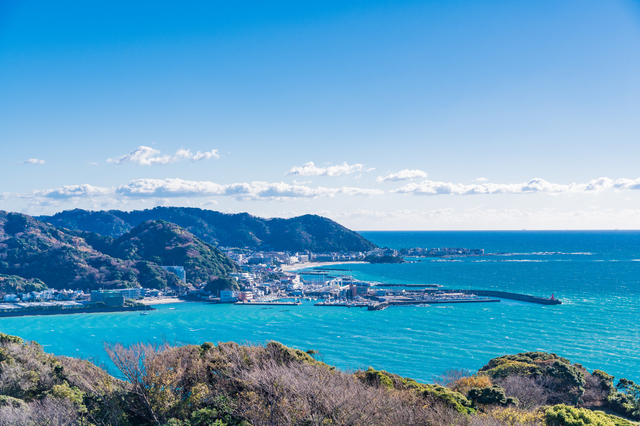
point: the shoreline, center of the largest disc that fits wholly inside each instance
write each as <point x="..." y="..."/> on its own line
<point x="299" y="266"/>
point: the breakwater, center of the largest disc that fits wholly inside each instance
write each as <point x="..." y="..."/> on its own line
<point x="408" y="285"/>
<point x="434" y="301"/>
<point x="68" y="311"/>
<point x="512" y="296"/>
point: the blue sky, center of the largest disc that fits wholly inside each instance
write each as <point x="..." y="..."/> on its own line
<point x="415" y="115"/>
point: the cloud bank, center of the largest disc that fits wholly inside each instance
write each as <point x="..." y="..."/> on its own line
<point x="73" y="191"/>
<point x="405" y="174"/>
<point x="179" y="188"/>
<point x="146" y="156"/>
<point x="141" y="189"/>
<point x="534" y="186"/>
<point x="245" y="191"/>
<point x="310" y="169"/>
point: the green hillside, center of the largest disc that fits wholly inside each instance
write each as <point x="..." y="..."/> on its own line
<point x="34" y="254"/>
<point x="164" y="243"/>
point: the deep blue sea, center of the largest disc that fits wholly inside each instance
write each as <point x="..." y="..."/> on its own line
<point x="596" y="274"/>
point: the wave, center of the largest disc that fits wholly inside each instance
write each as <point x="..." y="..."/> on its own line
<point x="547" y="253"/>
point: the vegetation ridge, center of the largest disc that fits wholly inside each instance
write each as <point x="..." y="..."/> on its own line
<point x="271" y="384"/>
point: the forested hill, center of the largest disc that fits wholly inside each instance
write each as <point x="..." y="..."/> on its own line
<point x="36" y="255"/>
<point x="165" y="243"/>
<point x="308" y="232"/>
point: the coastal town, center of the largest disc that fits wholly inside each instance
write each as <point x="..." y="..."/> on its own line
<point x="265" y="277"/>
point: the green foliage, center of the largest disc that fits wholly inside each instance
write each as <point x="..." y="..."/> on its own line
<point x="379" y="378"/>
<point x="438" y="393"/>
<point x="222" y="283"/>
<point x="491" y="395"/>
<point x="6" y="339"/>
<point x="567" y="380"/>
<point x="626" y="399"/>
<point x="448" y="397"/>
<point x="606" y="381"/>
<point x="564" y="415"/>
<point x="16" y="284"/>
<point x="73" y="394"/>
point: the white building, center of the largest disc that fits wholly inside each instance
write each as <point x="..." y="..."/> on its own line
<point x="229" y="295"/>
<point x="10" y="297"/>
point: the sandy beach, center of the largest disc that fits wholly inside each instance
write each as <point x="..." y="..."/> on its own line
<point x="161" y="300"/>
<point x="299" y="266"/>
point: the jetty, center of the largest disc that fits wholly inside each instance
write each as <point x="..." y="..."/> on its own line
<point x="408" y="285"/>
<point x="513" y="296"/>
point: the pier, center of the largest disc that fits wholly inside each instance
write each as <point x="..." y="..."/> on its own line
<point x="512" y="296"/>
<point x="407" y="285"/>
<point x="268" y="303"/>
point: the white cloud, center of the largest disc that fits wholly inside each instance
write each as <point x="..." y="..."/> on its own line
<point x="311" y="169"/>
<point x="360" y="191"/>
<point x="147" y="156"/>
<point x="169" y="188"/>
<point x="534" y="186"/>
<point x="243" y="191"/>
<point x="405" y="174"/>
<point x="32" y="161"/>
<point x="205" y="155"/>
<point x="482" y="179"/>
<point x="73" y="191"/>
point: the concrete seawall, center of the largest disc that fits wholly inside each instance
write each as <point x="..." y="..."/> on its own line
<point x="512" y="296"/>
<point x="36" y="312"/>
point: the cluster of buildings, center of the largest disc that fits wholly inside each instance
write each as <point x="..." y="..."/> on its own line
<point x="250" y="258"/>
<point x="65" y="299"/>
<point x="442" y="251"/>
<point x="49" y="295"/>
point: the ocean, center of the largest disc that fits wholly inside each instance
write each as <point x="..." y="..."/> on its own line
<point x="596" y="274"/>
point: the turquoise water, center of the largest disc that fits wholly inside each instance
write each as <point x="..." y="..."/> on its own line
<point x="596" y="274"/>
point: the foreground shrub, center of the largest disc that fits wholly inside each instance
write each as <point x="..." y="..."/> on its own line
<point x="564" y="415"/>
<point x="563" y="382"/>
<point x="464" y="384"/>
<point x="509" y="416"/>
